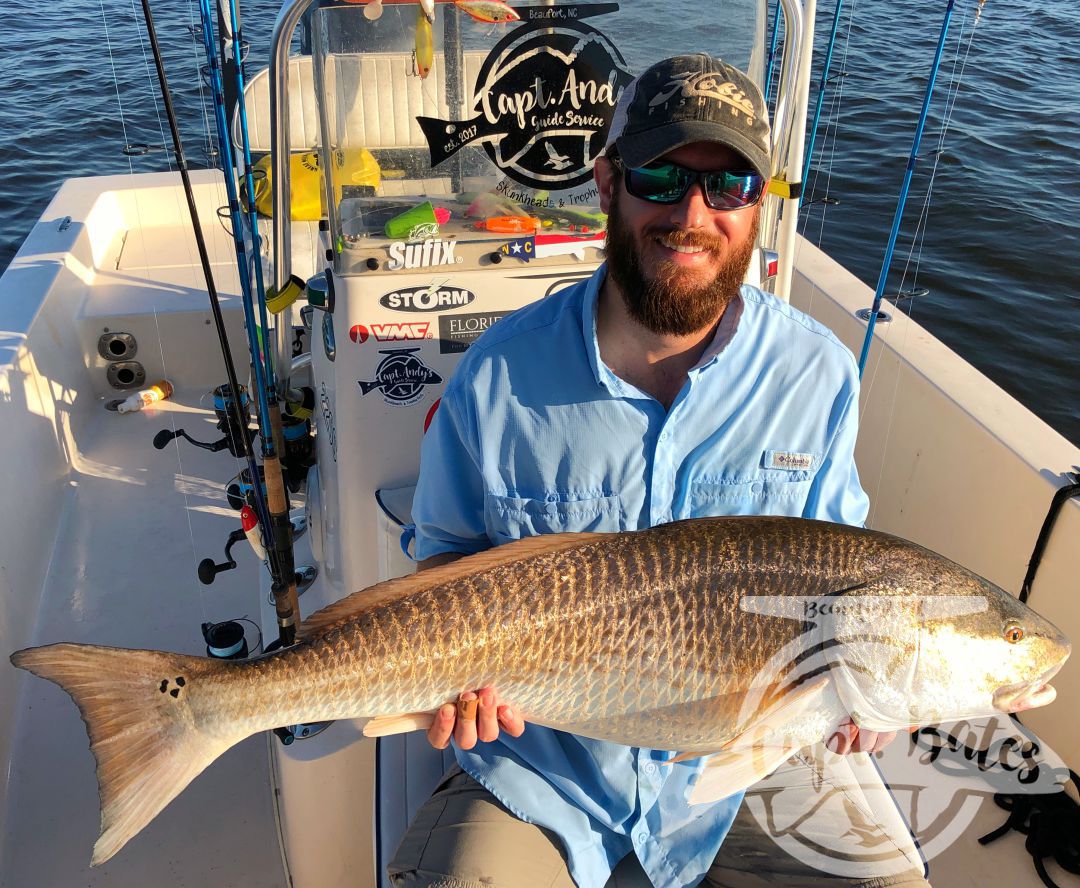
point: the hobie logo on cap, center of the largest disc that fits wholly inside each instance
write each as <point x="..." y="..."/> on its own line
<point x="706" y="85"/>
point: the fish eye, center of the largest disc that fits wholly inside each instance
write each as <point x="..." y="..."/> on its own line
<point x="1013" y="633"/>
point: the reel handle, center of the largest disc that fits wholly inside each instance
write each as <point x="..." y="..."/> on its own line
<point x="208" y="570"/>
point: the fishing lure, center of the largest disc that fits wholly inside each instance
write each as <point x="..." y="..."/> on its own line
<point x="424" y="54"/>
<point x="428" y="8"/>
<point x="489" y="11"/>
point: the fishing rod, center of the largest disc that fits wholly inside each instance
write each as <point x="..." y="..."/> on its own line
<point x="821" y="93"/>
<point x="284" y="586"/>
<point x="772" y="50"/>
<point x="279" y="540"/>
<point x="237" y="39"/>
<point x="287" y="617"/>
<point x="909" y="171"/>
<point x="228" y="167"/>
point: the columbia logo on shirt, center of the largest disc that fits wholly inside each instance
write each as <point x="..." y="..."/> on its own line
<point x="788" y="459"/>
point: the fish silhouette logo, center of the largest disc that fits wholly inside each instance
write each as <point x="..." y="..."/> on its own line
<point x="543" y="100"/>
<point x="401" y="377"/>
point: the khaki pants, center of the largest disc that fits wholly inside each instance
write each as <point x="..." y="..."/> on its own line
<point x="832" y="811"/>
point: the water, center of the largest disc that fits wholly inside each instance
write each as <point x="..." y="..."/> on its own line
<point x="1003" y="226"/>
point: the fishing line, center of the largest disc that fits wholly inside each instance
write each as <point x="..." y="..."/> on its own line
<point x="149" y="80"/>
<point x="918" y="241"/>
<point x="228" y="168"/>
<point x="116" y="83"/>
<point x="915" y="253"/>
<point x="830" y="139"/>
<point x="140" y="228"/>
<point x="249" y="179"/>
<point x="204" y="258"/>
<point x="831" y="136"/>
<point x="195" y="30"/>
<point x="269" y="489"/>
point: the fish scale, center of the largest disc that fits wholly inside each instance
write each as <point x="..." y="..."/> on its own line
<point x="692" y="636"/>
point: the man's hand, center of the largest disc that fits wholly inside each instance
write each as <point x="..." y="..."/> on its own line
<point x="478" y="715"/>
<point x="849" y="738"/>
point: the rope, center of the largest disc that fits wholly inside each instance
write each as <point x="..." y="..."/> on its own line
<point x="1051" y="822"/>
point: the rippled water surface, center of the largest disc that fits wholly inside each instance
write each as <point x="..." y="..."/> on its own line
<point x="999" y="246"/>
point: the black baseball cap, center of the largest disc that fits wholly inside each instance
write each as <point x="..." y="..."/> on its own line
<point x="691" y="98"/>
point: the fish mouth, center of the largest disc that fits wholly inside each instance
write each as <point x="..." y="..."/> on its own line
<point x="1027" y="694"/>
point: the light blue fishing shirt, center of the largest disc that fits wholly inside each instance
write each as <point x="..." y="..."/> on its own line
<point x="536" y="435"/>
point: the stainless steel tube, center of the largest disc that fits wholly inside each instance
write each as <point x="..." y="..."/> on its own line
<point x="284" y="28"/>
<point x="789" y="69"/>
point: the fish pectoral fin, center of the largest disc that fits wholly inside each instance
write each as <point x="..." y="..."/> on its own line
<point x="730" y="772"/>
<point x="385" y="725"/>
<point x="758" y="750"/>
<point x="772" y="722"/>
<point x="692" y="754"/>
<point x="768" y="725"/>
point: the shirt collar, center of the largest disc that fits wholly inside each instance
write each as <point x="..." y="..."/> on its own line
<point x="725" y="332"/>
<point x="603" y="376"/>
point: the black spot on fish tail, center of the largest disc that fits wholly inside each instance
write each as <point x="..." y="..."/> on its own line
<point x="180" y="680"/>
<point x="175" y="692"/>
<point x="164" y="685"/>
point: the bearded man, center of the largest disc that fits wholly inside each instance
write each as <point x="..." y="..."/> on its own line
<point x="661" y="388"/>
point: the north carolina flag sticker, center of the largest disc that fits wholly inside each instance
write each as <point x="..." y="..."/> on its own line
<point x="523" y="248"/>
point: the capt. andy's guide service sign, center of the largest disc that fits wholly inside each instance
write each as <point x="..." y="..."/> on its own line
<point x="544" y="98"/>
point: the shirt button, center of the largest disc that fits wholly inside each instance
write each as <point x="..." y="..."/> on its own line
<point x="665" y="435"/>
<point x="649" y="768"/>
<point x="639" y="838"/>
<point x="756" y="488"/>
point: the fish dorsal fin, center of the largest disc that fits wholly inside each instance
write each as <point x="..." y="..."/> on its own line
<point x="384" y="725"/>
<point x="757" y="751"/>
<point x="392" y="590"/>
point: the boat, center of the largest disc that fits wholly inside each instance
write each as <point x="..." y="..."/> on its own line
<point x="459" y="189"/>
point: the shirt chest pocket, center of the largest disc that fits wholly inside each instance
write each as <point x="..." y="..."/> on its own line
<point x="514" y="517"/>
<point x="779" y="494"/>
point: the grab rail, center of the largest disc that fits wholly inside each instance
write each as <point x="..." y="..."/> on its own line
<point x="284" y="28"/>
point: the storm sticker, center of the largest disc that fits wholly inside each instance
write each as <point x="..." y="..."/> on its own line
<point x="401" y="377"/>
<point x="436" y="297"/>
<point x="544" y="98"/>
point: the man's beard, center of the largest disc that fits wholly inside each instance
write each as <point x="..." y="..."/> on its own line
<point x="671" y="302"/>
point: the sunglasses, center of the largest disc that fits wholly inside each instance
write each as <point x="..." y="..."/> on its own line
<point x="667" y="183"/>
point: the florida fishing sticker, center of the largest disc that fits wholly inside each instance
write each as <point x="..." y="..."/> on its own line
<point x="544" y="100"/>
<point x="401" y="377"/>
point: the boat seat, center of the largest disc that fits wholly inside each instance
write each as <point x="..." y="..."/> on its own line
<point x="373" y="102"/>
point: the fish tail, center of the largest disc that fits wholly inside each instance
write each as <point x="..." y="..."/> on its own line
<point x="142" y="733"/>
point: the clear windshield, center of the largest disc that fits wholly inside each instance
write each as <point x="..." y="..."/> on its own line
<point x="486" y="130"/>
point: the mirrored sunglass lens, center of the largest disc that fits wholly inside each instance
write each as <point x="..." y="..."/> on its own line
<point x="733" y="190"/>
<point x="664" y="184"/>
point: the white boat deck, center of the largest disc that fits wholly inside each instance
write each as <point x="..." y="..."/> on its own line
<point x="134" y="522"/>
<point x="134" y="526"/>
